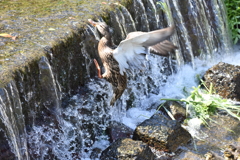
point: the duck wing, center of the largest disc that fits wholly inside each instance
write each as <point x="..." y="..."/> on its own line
<point x="163" y="48"/>
<point x="131" y="51"/>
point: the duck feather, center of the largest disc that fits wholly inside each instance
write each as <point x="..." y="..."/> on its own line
<point x="130" y="51"/>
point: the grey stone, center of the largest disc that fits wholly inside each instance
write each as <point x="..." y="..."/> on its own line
<point x="127" y="149"/>
<point x="161" y="133"/>
<point x="225" y="79"/>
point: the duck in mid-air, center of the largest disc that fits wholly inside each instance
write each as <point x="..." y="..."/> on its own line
<point x="129" y="54"/>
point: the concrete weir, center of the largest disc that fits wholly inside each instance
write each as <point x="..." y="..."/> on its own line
<point x="47" y="63"/>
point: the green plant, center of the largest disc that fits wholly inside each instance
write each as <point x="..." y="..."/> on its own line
<point x="233" y="15"/>
<point x="202" y="104"/>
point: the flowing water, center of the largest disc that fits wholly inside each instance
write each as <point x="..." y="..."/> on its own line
<point x="76" y="129"/>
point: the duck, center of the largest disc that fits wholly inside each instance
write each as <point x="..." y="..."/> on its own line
<point x="129" y="55"/>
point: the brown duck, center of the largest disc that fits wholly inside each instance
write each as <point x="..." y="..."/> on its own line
<point x="129" y="54"/>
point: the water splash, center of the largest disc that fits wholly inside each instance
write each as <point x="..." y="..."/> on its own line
<point x="88" y="112"/>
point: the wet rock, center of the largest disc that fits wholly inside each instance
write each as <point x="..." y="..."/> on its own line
<point x="5" y="150"/>
<point x="188" y="155"/>
<point x="127" y="149"/>
<point x="235" y="151"/>
<point x="118" y="130"/>
<point x="213" y="156"/>
<point x="161" y="133"/>
<point x="95" y="153"/>
<point x="220" y="134"/>
<point x="228" y="155"/>
<point x="162" y="155"/>
<point x="225" y="79"/>
<point x="176" y="109"/>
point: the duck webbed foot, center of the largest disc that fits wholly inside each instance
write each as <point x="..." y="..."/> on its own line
<point x="98" y="68"/>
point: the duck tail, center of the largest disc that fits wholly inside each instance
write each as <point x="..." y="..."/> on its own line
<point x="116" y="95"/>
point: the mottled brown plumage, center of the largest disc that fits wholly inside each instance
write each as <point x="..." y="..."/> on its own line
<point x="129" y="54"/>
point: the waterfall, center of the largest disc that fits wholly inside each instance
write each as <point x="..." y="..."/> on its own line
<point x="56" y="107"/>
<point x="12" y="121"/>
<point x="203" y="29"/>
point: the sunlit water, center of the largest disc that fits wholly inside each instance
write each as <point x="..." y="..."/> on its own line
<point x="184" y="79"/>
<point x="86" y="119"/>
<point x="177" y="84"/>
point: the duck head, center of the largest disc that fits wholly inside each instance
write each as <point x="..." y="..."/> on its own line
<point x="101" y="27"/>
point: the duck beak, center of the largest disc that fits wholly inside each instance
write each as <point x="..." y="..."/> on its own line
<point x="92" y="22"/>
<point x="94" y="30"/>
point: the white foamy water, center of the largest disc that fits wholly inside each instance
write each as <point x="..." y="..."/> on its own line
<point x="176" y="85"/>
<point x="88" y="114"/>
<point x="184" y="80"/>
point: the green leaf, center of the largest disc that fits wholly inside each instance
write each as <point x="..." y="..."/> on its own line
<point x="202" y="104"/>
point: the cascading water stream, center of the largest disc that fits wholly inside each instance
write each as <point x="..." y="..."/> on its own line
<point x="185" y="32"/>
<point x="13" y="120"/>
<point x="77" y="129"/>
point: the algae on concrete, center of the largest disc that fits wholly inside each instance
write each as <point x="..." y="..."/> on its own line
<point x="37" y="25"/>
